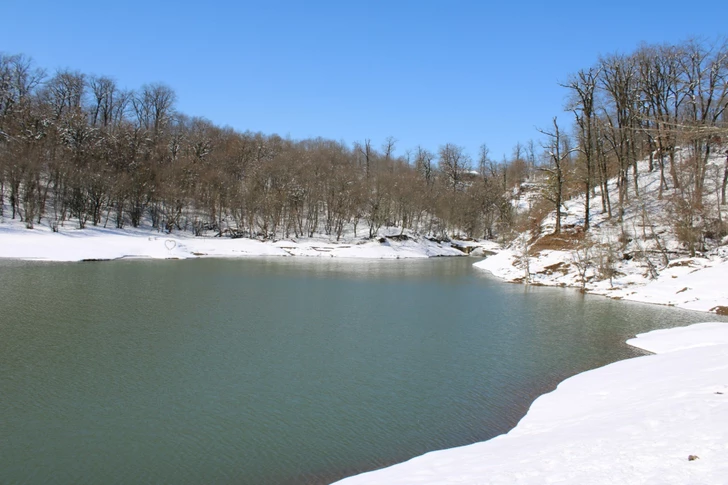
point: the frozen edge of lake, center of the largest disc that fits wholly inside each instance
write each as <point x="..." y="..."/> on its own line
<point x="641" y="420"/>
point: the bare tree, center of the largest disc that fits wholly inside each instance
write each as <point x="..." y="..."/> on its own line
<point x="619" y="81"/>
<point x="556" y="170"/>
<point x="388" y="147"/>
<point x="663" y="96"/>
<point x="725" y="180"/>
<point x="705" y="69"/>
<point x="453" y="163"/>
<point x="583" y="85"/>
<point x="153" y="107"/>
<point x="109" y="102"/>
<point x="424" y="166"/>
<point x="365" y="150"/>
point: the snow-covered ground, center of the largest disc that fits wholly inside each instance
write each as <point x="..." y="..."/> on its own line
<point x="657" y="419"/>
<point x="98" y="243"/>
<point x="646" y="260"/>
<point x="692" y="283"/>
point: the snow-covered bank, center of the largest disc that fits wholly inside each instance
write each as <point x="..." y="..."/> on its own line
<point x="101" y="244"/>
<point x="638" y="257"/>
<point x="692" y="283"/>
<point x="657" y="419"/>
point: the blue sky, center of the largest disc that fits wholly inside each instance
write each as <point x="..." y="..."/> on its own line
<point x="424" y="72"/>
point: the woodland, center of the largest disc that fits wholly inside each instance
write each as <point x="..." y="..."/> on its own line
<point x="77" y="149"/>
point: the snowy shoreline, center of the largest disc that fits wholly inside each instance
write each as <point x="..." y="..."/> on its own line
<point x="96" y="243"/>
<point x="660" y="418"/>
<point x="690" y="283"/>
<point x="636" y="255"/>
<point x="698" y="284"/>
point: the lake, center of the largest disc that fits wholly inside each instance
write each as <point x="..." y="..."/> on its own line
<point x="278" y="371"/>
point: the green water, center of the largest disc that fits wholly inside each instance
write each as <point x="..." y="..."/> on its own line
<point x="278" y="371"/>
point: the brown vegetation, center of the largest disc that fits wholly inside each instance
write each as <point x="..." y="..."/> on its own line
<point x="81" y="148"/>
<point x="565" y="241"/>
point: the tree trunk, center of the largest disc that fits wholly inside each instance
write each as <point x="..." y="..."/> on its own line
<point x="725" y="180"/>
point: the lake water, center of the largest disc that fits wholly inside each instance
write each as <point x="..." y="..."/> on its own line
<point x="278" y="371"/>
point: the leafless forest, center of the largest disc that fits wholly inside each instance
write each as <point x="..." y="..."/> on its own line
<point x="78" y="149"/>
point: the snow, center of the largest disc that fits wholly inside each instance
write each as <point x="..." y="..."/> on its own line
<point x="98" y="243"/>
<point x="699" y="284"/>
<point x="676" y="339"/>
<point x="636" y="421"/>
<point x="658" y="270"/>
<point x="701" y="288"/>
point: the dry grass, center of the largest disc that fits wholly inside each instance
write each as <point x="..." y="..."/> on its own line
<point x="569" y="239"/>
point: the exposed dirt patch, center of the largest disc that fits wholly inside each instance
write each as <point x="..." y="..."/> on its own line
<point x="560" y="267"/>
<point x="463" y="249"/>
<point x="399" y="237"/>
<point x="720" y="310"/>
<point x="557" y="242"/>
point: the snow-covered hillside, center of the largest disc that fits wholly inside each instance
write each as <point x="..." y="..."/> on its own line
<point x="639" y="258"/>
<point x="658" y="419"/>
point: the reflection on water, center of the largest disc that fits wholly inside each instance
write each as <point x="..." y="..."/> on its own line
<point x="281" y="370"/>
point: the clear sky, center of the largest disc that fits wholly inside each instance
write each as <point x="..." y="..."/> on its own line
<point x="424" y="72"/>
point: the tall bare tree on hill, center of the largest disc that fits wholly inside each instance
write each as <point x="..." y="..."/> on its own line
<point x="583" y="85"/>
<point x="556" y="169"/>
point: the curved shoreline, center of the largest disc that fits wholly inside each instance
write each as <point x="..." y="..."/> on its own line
<point x="633" y="421"/>
<point x="558" y="440"/>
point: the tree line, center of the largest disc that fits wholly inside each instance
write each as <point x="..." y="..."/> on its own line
<point x="78" y="147"/>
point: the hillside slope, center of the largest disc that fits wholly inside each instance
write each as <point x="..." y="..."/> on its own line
<point x="638" y="258"/>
